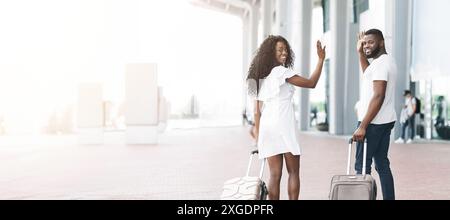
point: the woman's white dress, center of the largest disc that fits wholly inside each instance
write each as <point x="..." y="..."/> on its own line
<point x="277" y="129"/>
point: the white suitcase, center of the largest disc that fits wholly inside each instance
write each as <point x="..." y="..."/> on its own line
<point x="247" y="187"/>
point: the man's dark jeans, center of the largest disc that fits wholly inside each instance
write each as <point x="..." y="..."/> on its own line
<point x="410" y="122"/>
<point x="378" y="138"/>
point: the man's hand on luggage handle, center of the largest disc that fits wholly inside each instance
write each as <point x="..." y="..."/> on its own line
<point x="359" y="134"/>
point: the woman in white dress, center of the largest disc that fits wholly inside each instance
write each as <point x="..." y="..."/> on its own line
<point x="271" y="80"/>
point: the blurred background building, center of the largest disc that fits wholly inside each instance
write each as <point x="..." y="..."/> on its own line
<point x="202" y="63"/>
<point x="413" y="33"/>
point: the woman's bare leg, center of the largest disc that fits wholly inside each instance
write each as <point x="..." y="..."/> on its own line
<point x="276" y="169"/>
<point x="293" y="167"/>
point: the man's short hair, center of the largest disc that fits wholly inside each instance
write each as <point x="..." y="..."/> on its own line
<point x="375" y="32"/>
<point x="407" y="92"/>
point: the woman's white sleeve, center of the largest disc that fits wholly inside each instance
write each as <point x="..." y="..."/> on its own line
<point x="270" y="87"/>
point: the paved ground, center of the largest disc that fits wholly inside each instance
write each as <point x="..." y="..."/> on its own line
<point x="193" y="164"/>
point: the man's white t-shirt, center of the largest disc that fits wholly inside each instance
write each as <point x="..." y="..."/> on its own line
<point x="381" y="69"/>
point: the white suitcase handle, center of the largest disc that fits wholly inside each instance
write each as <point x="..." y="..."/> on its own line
<point x="250" y="164"/>
<point x="350" y="144"/>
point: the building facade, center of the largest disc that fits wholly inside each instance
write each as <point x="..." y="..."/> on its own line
<point x="414" y="37"/>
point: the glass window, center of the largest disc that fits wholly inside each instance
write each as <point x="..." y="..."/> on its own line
<point x="359" y="6"/>
<point x="430" y="66"/>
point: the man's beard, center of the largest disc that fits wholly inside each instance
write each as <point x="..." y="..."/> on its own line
<point x="374" y="53"/>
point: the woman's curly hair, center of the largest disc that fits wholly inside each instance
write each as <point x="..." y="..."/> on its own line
<point x="265" y="61"/>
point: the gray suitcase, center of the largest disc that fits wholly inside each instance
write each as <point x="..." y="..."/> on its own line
<point x="247" y="187"/>
<point x="353" y="187"/>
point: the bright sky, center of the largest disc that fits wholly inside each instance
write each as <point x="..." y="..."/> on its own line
<point x="47" y="47"/>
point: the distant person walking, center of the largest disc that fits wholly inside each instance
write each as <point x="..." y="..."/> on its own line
<point x="409" y="114"/>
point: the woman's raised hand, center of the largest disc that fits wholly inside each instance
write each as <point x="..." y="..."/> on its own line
<point x="321" y="51"/>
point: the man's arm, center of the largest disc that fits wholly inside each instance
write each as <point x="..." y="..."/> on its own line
<point x="379" y="90"/>
<point x="414" y="110"/>
<point x="364" y="62"/>
<point x="414" y="105"/>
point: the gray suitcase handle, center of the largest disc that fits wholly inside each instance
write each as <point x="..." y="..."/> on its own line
<point x="350" y="145"/>
<point x="250" y="164"/>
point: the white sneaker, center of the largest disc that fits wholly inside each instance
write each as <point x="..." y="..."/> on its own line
<point x="400" y="141"/>
<point x="409" y="141"/>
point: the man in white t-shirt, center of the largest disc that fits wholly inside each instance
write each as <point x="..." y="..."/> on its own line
<point x="376" y="108"/>
<point x="410" y="112"/>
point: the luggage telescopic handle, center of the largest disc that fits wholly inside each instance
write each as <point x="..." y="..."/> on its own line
<point x="350" y="144"/>
<point x="250" y="164"/>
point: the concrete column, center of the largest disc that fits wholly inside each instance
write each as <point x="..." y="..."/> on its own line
<point x="428" y="109"/>
<point x="266" y="17"/>
<point x="90" y="113"/>
<point x="352" y="74"/>
<point x="338" y="31"/>
<point x="246" y="59"/>
<point x="398" y="25"/>
<point x="141" y="102"/>
<point x="163" y="111"/>
<point x="300" y="21"/>
<point x="253" y="17"/>
<point x="281" y="17"/>
<point x="249" y="42"/>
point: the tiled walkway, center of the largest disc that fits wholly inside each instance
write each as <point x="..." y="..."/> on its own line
<point x="193" y="164"/>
